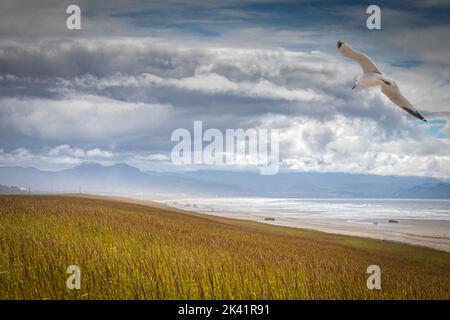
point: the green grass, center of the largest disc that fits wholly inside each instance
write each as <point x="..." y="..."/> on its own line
<point x="132" y="251"/>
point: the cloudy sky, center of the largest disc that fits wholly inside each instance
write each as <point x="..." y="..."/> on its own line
<point x="115" y="90"/>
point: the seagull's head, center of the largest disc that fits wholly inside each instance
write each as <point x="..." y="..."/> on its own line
<point x="339" y="44"/>
<point x="355" y="84"/>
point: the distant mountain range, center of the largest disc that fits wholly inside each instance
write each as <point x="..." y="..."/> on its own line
<point x="125" y="179"/>
<point x="116" y="179"/>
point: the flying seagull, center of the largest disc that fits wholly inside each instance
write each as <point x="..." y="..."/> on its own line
<point x="371" y="77"/>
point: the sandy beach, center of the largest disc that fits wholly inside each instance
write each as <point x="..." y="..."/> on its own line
<point x="427" y="233"/>
<point x="431" y="233"/>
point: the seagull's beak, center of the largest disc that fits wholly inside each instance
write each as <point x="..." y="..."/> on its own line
<point x="354" y="86"/>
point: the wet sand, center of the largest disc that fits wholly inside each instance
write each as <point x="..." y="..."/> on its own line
<point x="420" y="232"/>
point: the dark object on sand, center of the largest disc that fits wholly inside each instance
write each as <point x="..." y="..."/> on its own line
<point x="269" y="219"/>
<point x="392" y="221"/>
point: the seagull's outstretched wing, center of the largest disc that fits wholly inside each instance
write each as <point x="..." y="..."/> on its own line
<point x="364" y="61"/>
<point x="392" y="91"/>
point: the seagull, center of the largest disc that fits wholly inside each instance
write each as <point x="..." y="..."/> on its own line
<point x="372" y="77"/>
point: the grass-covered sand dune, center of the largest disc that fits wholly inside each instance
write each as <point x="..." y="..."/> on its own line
<point x="134" y="251"/>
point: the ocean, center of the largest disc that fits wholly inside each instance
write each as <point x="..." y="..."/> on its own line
<point x="317" y="209"/>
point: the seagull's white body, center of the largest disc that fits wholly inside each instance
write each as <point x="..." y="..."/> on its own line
<point x="372" y="77"/>
<point x="369" y="80"/>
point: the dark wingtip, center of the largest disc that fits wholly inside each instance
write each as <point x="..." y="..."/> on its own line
<point x="416" y="114"/>
<point x="421" y="117"/>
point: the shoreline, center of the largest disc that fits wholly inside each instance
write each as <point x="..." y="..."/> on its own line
<point x="434" y="234"/>
<point x="404" y="232"/>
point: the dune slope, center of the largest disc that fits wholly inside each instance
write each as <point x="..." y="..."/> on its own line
<point x="135" y="251"/>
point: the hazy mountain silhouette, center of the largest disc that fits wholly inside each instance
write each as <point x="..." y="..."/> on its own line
<point x="125" y="179"/>
<point x="96" y="178"/>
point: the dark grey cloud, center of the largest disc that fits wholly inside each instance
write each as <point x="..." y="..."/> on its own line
<point x="211" y="83"/>
<point x="101" y="90"/>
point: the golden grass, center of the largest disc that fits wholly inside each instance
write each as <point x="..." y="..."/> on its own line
<point x="132" y="251"/>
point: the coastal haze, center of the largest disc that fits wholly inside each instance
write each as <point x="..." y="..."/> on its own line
<point x="123" y="179"/>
